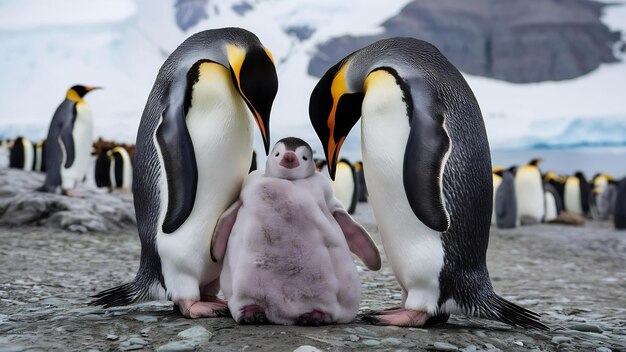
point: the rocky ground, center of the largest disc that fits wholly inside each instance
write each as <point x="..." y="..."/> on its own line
<point x="575" y="277"/>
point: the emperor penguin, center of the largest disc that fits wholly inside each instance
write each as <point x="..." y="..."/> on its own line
<point x="428" y="172"/>
<point x="69" y="142"/>
<point x="496" y="177"/>
<point x="599" y="184"/>
<point x="506" y="201"/>
<point x="193" y="151"/>
<point x="39" y="164"/>
<point x="120" y="169"/>
<point x="530" y="193"/>
<point x="344" y="184"/>
<point x="360" y="177"/>
<point x="619" y="212"/>
<point x="5" y="153"/>
<point x="102" y="168"/>
<point x="577" y="193"/>
<point x="22" y="154"/>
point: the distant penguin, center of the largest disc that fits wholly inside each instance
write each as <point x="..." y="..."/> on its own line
<point x="345" y="184"/>
<point x="360" y="177"/>
<point x="298" y="269"/>
<point x="22" y="154"/>
<point x="428" y="171"/>
<point x="497" y="180"/>
<point x="605" y="202"/>
<point x="102" y="169"/>
<point x="598" y="184"/>
<point x="506" y="201"/>
<point x="530" y="193"/>
<point x="39" y="164"/>
<point x="193" y="151"/>
<point x="69" y="143"/>
<point x="120" y="169"/>
<point x="557" y="182"/>
<point x="554" y="202"/>
<point x="619" y="214"/>
<point x="577" y="193"/>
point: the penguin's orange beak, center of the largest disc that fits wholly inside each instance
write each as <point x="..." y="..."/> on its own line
<point x="89" y="89"/>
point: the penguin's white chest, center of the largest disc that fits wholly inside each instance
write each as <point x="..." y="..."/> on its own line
<point x="497" y="181"/>
<point x="220" y="127"/>
<point x="573" y="202"/>
<point x="29" y="154"/>
<point x="529" y="193"/>
<point x="82" y="133"/>
<point x="414" y="251"/>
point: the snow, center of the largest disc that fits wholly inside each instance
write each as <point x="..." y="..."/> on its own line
<point x="47" y="46"/>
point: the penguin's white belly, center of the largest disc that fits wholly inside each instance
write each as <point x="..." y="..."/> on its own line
<point x="4" y="157"/>
<point x="529" y="193"/>
<point x="220" y="127"/>
<point x="28" y="155"/>
<point x="551" y="210"/>
<point x="38" y="158"/>
<point x="573" y="203"/>
<point x="82" y="133"/>
<point x="414" y="251"/>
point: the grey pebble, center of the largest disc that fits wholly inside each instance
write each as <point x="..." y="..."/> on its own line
<point x="177" y="346"/>
<point x="146" y="318"/>
<point x="480" y="334"/>
<point x="131" y="347"/>
<point x="307" y="348"/>
<point x="561" y="339"/>
<point x="93" y="317"/>
<point x="137" y="341"/>
<point x="535" y="350"/>
<point x="112" y="337"/>
<point x="603" y="349"/>
<point x="371" y="342"/>
<point x="586" y="327"/>
<point x="470" y="348"/>
<point x="391" y="341"/>
<point x="444" y="346"/>
<point x="354" y="338"/>
<point x="196" y="333"/>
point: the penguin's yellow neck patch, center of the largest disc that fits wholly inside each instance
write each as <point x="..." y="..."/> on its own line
<point x="73" y="96"/>
<point x="236" y="55"/>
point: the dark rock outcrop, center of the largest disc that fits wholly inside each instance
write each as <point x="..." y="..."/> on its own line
<point x="511" y="40"/>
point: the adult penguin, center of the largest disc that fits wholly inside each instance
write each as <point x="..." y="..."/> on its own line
<point x="102" y="169"/>
<point x="193" y="150"/>
<point x="22" y="154"/>
<point x="344" y="185"/>
<point x="577" y="194"/>
<point x="428" y="173"/>
<point x="120" y="169"/>
<point x="360" y="176"/>
<point x="506" y="201"/>
<point x="530" y="193"/>
<point x="69" y="142"/>
<point x="557" y="182"/>
<point x="619" y="212"/>
<point x="39" y="164"/>
<point x="496" y="178"/>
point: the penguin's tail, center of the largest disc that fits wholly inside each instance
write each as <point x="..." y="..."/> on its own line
<point x="123" y="295"/>
<point x="498" y="308"/>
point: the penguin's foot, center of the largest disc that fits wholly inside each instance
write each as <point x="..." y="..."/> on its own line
<point x="398" y="317"/>
<point x="73" y="193"/>
<point x="201" y="309"/>
<point x="252" y="314"/>
<point x="313" y="318"/>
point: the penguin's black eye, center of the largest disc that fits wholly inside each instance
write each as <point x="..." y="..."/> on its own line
<point x="277" y="154"/>
<point x="304" y="157"/>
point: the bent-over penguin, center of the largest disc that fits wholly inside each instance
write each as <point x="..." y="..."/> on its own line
<point x="69" y="142"/>
<point x="286" y="245"/>
<point x="428" y="172"/>
<point x="193" y="151"/>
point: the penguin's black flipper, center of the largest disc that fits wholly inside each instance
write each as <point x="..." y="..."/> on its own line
<point x="179" y="160"/>
<point x="425" y="156"/>
<point x="67" y="142"/>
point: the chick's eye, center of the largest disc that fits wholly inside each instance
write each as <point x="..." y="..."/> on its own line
<point x="277" y="154"/>
<point x="304" y="157"/>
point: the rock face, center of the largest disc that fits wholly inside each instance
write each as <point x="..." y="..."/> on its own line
<point x="96" y="211"/>
<point x="515" y="41"/>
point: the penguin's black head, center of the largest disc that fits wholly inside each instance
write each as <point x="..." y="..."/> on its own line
<point x="334" y="111"/>
<point x="535" y="162"/>
<point x="254" y="76"/>
<point x="78" y="91"/>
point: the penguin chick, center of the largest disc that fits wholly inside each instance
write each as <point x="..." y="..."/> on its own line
<point x="286" y="246"/>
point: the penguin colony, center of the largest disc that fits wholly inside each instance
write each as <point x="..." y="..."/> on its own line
<point x="426" y="162"/>
<point x="548" y="197"/>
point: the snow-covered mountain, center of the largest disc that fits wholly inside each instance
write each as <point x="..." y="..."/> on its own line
<point x="47" y="46"/>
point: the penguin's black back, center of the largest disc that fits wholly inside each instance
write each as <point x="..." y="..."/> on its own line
<point x="62" y="119"/>
<point x="102" y="169"/>
<point x="506" y="202"/>
<point x="620" y="206"/>
<point x="16" y="155"/>
<point x="119" y="169"/>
